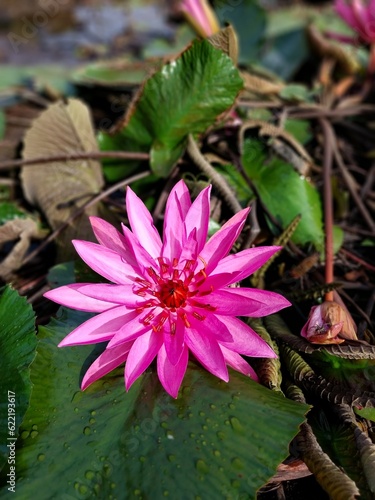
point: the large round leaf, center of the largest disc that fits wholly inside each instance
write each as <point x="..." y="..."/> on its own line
<point x="17" y="348"/>
<point x="215" y="440"/>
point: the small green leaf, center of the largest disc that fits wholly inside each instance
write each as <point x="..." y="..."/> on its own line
<point x="10" y="211"/>
<point x="338" y="238"/>
<point x="236" y="182"/>
<point x="285" y="194"/>
<point x="120" y="73"/>
<point x="368" y="413"/>
<point x="295" y="92"/>
<point x="300" y="129"/>
<point x="17" y="347"/>
<point x="184" y="97"/>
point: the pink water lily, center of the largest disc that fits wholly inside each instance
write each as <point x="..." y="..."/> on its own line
<point x="169" y="297"/>
<point x="201" y="16"/>
<point x="359" y="15"/>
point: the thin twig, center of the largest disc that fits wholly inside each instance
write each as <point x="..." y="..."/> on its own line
<point x="217" y="180"/>
<point x="328" y="204"/>
<point x="349" y="182"/>
<point x="156" y="215"/>
<point x="356" y="306"/>
<point x="354" y="257"/>
<point x="87" y="155"/>
<point x="82" y="209"/>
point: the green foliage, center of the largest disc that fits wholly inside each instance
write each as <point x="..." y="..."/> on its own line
<point x="10" y="211"/>
<point x="300" y="129"/>
<point x="286" y="52"/>
<point x="215" y="439"/>
<point x="120" y="74"/>
<point x="42" y="75"/>
<point x="338" y="238"/>
<point x="2" y="124"/>
<point x="357" y="375"/>
<point x="285" y="193"/>
<point x="184" y="97"/>
<point x="338" y="441"/>
<point x="17" y="347"/>
<point x="237" y="183"/>
<point x="296" y="92"/>
<point x="249" y="20"/>
<point x="368" y="413"/>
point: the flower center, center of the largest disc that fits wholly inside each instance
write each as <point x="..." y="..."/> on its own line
<point x="173" y="294"/>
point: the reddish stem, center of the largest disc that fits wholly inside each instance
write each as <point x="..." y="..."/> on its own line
<point x="328" y="204"/>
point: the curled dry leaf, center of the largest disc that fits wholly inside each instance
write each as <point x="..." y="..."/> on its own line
<point x="227" y="41"/>
<point x="59" y="188"/>
<point x="21" y="231"/>
<point x="259" y="86"/>
<point x="332" y="479"/>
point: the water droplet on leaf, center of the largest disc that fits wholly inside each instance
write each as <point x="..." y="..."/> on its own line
<point x="201" y="466"/>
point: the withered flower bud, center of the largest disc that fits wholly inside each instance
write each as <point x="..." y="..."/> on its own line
<point x="329" y="323"/>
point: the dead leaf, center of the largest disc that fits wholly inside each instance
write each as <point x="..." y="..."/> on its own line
<point x="259" y="86"/>
<point x="22" y="230"/>
<point x="226" y="41"/>
<point x="59" y="188"/>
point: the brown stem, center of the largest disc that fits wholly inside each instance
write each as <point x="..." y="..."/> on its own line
<point x="217" y="180"/>
<point x="89" y="155"/>
<point x="354" y="257"/>
<point x="81" y="209"/>
<point x="352" y="187"/>
<point x="328" y="204"/>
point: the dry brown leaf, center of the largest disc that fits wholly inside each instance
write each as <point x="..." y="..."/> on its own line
<point x="260" y="86"/>
<point x="22" y="230"/>
<point x="59" y="188"/>
<point x="226" y="40"/>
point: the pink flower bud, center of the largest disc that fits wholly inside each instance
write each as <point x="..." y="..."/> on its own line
<point x="201" y="17"/>
<point x="329" y="323"/>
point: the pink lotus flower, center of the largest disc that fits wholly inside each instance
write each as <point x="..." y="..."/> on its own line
<point x="360" y="15"/>
<point x="201" y="16"/>
<point x="171" y="297"/>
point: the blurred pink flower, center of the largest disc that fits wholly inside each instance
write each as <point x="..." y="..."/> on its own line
<point x="360" y="15"/>
<point x="171" y="297"/>
<point x="201" y="16"/>
<point x="329" y="323"/>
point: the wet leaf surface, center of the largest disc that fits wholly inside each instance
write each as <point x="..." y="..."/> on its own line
<point x="18" y="346"/>
<point x="105" y="441"/>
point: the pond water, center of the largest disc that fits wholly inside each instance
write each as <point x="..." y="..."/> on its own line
<point x="68" y="32"/>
